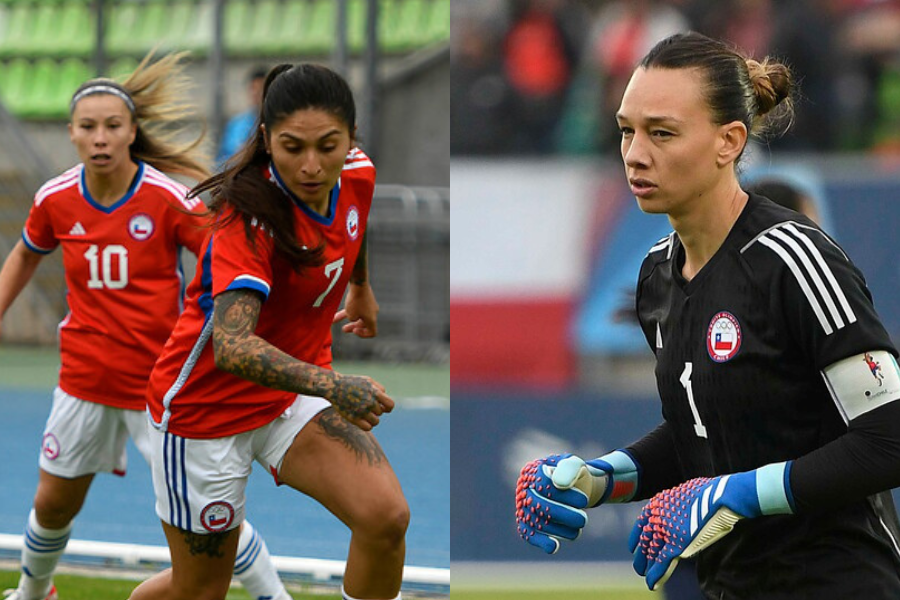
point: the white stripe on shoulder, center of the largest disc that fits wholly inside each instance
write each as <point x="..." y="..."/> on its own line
<point x="812" y="272"/>
<point x="801" y="279"/>
<point x="66" y="180"/>
<point x="829" y="274"/>
<point x="178" y="190"/>
<point x="790" y="239"/>
<point x="666" y="243"/>
<point x="356" y="159"/>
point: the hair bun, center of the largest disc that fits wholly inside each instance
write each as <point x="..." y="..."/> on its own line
<point x="772" y="84"/>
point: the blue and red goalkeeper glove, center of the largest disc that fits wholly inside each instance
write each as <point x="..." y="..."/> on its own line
<point x="551" y="493"/>
<point x="681" y="521"/>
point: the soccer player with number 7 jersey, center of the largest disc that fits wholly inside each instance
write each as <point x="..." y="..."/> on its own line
<point x="246" y="375"/>
<point x="121" y="223"/>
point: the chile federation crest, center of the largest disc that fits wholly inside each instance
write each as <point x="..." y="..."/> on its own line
<point x="723" y="337"/>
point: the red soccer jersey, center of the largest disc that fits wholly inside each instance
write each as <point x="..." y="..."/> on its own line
<point x="124" y="278"/>
<point x="188" y="395"/>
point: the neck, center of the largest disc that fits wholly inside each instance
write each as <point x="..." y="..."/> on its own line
<point x="703" y="229"/>
<point x="108" y="188"/>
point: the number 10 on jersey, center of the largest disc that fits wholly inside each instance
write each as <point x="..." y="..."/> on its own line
<point x="101" y="264"/>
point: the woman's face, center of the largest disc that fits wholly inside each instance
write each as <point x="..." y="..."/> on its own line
<point x="672" y="150"/>
<point x="309" y="148"/>
<point x="102" y="130"/>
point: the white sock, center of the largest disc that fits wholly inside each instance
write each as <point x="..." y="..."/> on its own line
<point x="347" y="596"/>
<point x="40" y="554"/>
<point x="254" y="568"/>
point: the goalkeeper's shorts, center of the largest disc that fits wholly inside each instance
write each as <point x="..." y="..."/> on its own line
<point x="200" y="483"/>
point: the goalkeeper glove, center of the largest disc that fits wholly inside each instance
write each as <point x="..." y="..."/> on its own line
<point x="680" y="522"/>
<point x="551" y="492"/>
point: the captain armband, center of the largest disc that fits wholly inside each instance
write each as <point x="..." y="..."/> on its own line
<point x="863" y="382"/>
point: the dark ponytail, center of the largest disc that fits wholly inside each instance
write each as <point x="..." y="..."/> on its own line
<point x="242" y="186"/>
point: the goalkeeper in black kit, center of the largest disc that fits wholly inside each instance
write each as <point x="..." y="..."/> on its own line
<point x="780" y="437"/>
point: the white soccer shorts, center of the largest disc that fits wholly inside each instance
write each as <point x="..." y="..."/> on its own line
<point x="82" y="437"/>
<point x="200" y="483"/>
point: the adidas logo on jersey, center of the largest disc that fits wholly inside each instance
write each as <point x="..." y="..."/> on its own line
<point x="77" y="229"/>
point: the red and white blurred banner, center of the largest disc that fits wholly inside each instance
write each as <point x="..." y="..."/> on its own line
<point x="518" y="261"/>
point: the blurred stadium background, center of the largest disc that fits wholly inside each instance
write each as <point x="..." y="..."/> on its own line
<point x="547" y="240"/>
<point x="395" y="54"/>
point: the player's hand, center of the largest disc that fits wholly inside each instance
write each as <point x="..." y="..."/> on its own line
<point x="361" y="400"/>
<point x="551" y="493"/>
<point x="681" y="521"/>
<point x="361" y="310"/>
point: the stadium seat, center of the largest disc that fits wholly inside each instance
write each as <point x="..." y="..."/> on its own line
<point x="238" y="19"/>
<point x="18" y="29"/>
<point x="438" y="22"/>
<point x="317" y="34"/>
<point x="122" y="25"/>
<point x="122" y="67"/>
<point x="77" y="30"/>
<point x="13" y="86"/>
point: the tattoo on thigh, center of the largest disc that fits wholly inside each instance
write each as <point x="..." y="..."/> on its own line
<point x="209" y="544"/>
<point x="354" y="438"/>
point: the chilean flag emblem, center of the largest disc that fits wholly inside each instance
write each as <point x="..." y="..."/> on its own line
<point x="723" y="337"/>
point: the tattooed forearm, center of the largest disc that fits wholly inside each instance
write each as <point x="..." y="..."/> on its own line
<point x="238" y="350"/>
<point x="360" y="274"/>
<point x="361" y="443"/>
<point x="209" y="544"/>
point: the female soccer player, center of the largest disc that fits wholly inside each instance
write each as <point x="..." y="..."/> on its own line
<point x="781" y="431"/>
<point x="121" y="223"/>
<point x="246" y="374"/>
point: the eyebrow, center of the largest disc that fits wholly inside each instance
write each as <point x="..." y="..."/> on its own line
<point x="651" y="119"/>
<point x="294" y="137"/>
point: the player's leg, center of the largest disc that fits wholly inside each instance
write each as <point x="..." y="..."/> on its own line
<point x="56" y="503"/>
<point x="80" y="439"/>
<point x="345" y="469"/>
<point x="201" y="567"/>
<point x="199" y="486"/>
<point x="253" y="566"/>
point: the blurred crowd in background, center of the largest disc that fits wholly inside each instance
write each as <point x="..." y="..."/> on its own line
<point x="537" y="77"/>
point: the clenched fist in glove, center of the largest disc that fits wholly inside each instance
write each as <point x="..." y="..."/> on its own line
<point x="551" y="493"/>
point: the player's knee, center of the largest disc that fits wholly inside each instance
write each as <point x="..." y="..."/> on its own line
<point x="387" y="524"/>
<point x="53" y="512"/>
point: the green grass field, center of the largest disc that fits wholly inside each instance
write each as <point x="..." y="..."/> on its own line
<point x="561" y="594"/>
<point x="72" y="587"/>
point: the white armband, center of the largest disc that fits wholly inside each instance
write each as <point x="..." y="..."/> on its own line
<point x="863" y="382"/>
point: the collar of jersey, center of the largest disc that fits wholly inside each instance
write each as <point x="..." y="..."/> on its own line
<point x="327" y="218"/>
<point x="135" y="183"/>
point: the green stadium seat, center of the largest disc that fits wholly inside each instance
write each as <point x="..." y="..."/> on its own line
<point x="286" y="36"/>
<point x="18" y="30"/>
<point x="356" y="25"/>
<point x="238" y="19"/>
<point x="78" y="29"/>
<point x="40" y="91"/>
<point x="263" y="33"/>
<point x="317" y="35"/>
<point x="438" y="23"/>
<point x="199" y="34"/>
<point x="14" y="86"/>
<point x="122" y="67"/>
<point x="72" y="72"/>
<point x="122" y="25"/>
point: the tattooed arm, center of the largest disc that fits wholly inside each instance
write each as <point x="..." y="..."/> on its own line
<point x="238" y="350"/>
<point x="360" y="307"/>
